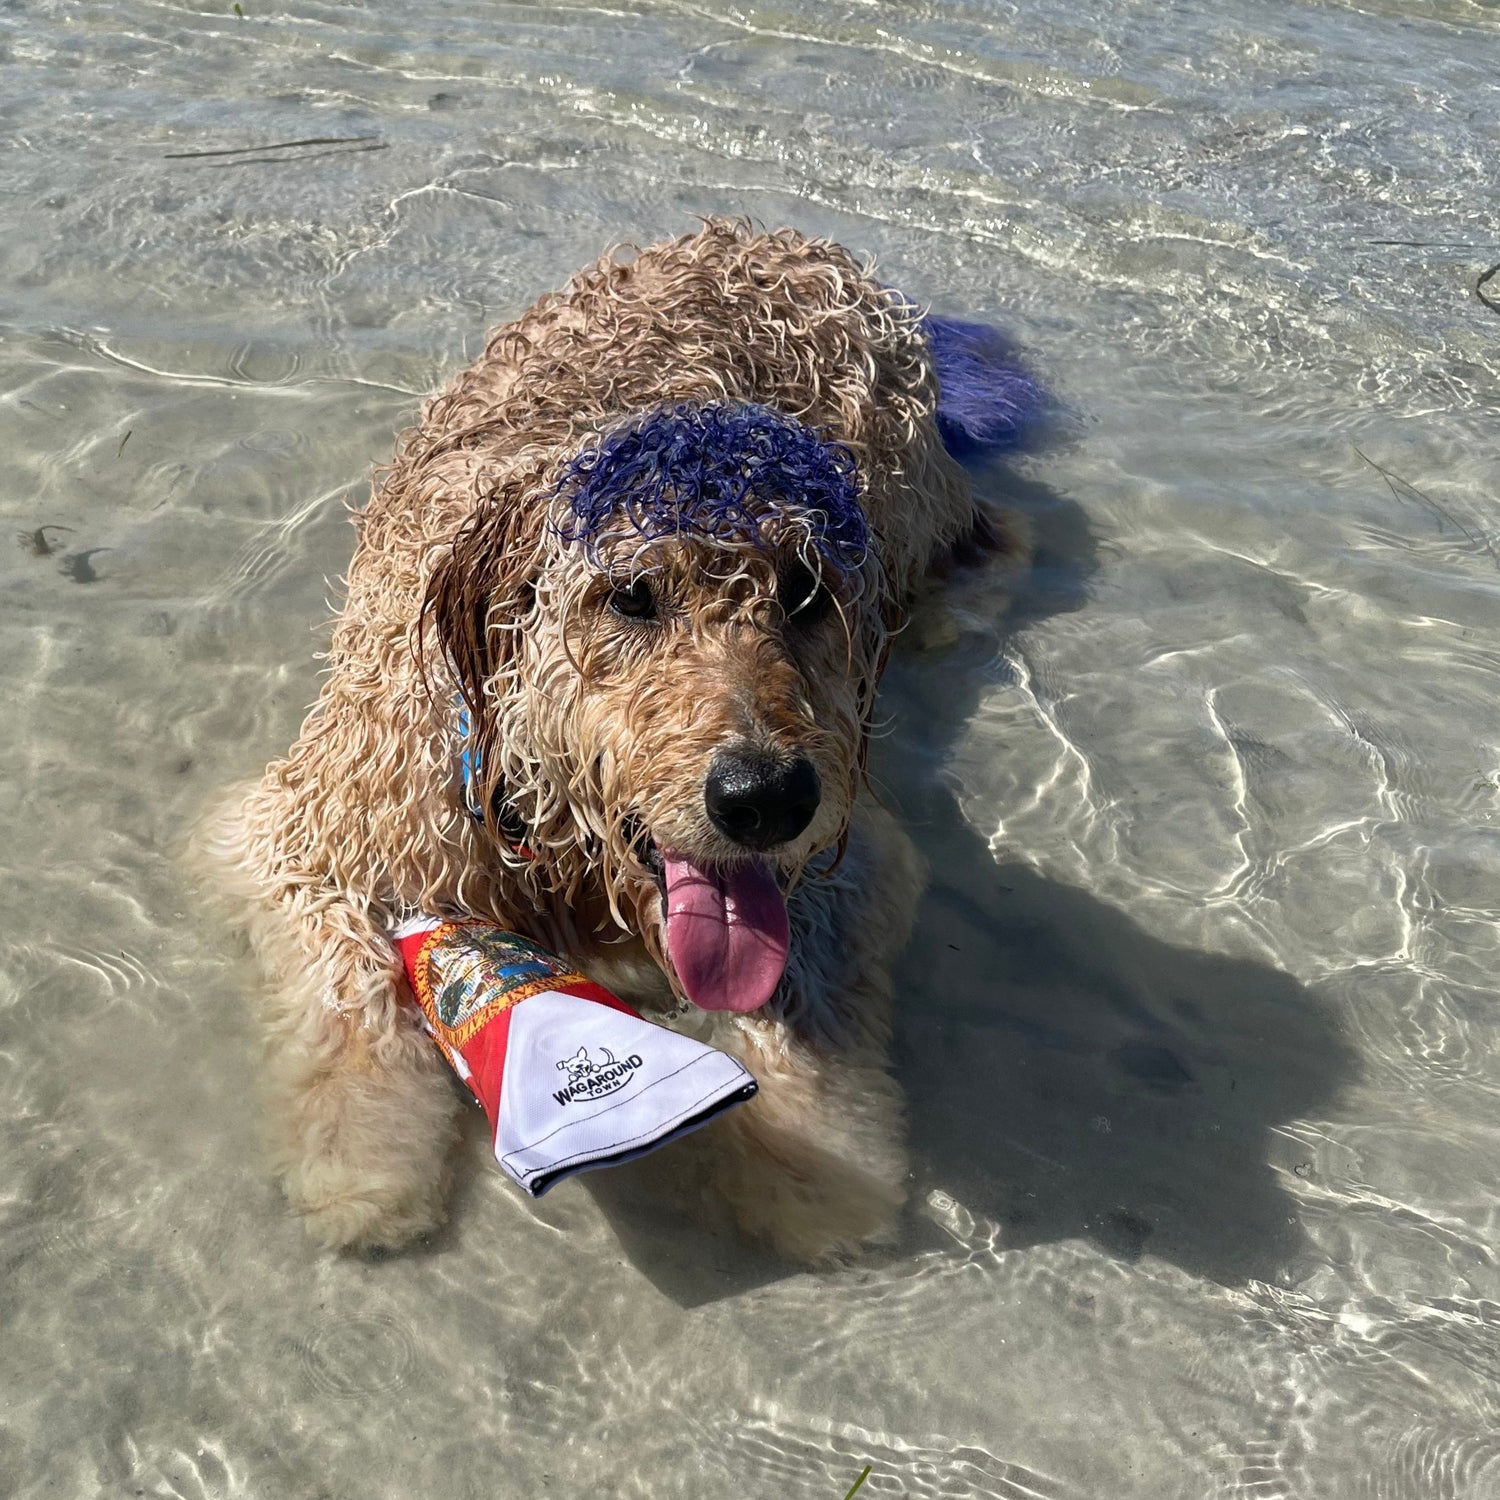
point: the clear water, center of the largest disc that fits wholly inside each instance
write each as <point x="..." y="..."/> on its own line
<point x="1199" y="1030"/>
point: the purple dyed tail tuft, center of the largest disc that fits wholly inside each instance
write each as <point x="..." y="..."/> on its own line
<point x="987" y="402"/>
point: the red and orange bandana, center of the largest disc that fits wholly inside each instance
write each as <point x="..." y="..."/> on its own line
<point x="569" y="1076"/>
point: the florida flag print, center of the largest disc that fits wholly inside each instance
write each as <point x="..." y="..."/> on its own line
<point x="569" y="1076"/>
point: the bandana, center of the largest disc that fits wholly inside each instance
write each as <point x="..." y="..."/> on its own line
<point x="569" y="1076"/>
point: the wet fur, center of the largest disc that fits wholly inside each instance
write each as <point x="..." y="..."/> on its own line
<point x="465" y="584"/>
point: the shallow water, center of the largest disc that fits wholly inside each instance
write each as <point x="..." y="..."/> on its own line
<point x="1198" y="1030"/>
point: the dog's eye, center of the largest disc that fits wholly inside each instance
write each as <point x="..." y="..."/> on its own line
<point x="634" y="600"/>
<point x="801" y="593"/>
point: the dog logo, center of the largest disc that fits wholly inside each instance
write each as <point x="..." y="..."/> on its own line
<point x="581" y="1064"/>
<point x="589" y="1080"/>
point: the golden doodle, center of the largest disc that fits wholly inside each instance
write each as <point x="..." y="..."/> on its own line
<point x="604" y="675"/>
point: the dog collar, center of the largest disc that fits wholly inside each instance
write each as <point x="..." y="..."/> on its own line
<point x="507" y="819"/>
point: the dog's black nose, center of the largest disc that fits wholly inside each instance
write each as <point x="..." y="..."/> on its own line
<point x="759" y="801"/>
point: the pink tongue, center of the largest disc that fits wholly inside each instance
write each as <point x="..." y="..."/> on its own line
<point x="727" y="933"/>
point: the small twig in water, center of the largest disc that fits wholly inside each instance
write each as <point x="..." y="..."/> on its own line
<point x="312" y="140"/>
<point x="1441" y="512"/>
<point x="37" y="542"/>
<point x="251" y="161"/>
<point x="123" y="441"/>
<point x="858" y="1482"/>
<point x="1432" y="244"/>
<point x="1479" y="291"/>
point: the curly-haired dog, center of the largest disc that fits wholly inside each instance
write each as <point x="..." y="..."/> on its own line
<point x="605" y="675"/>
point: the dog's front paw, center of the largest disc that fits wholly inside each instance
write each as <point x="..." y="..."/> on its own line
<point x="817" y="1210"/>
<point x="353" y="1208"/>
<point x="360" y="1127"/>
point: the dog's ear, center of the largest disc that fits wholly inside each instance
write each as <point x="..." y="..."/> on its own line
<point x="479" y="596"/>
<point x="481" y="586"/>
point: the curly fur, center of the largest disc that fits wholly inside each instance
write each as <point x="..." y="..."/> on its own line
<point x="595" y="423"/>
<point x="987" y="402"/>
<point x="713" y="472"/>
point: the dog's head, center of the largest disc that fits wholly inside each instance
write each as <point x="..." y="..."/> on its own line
<point x="580" y="1065"/>
<point x="669" y="655"/>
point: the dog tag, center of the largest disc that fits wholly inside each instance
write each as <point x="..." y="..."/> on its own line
<point x="570" y="1077"/>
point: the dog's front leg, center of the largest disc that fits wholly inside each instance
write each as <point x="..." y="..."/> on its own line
<point x="360" y="1112"/>
<point x="816" y="1163"/>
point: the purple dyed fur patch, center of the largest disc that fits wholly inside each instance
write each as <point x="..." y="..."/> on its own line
<point x="987" y="402"/>
<point x="714" y="472"/>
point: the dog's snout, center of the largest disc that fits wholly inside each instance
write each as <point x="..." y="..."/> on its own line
<point x="759" y="801"/>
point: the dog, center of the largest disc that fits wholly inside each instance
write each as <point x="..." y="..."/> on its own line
<point x="605" y="675"/>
